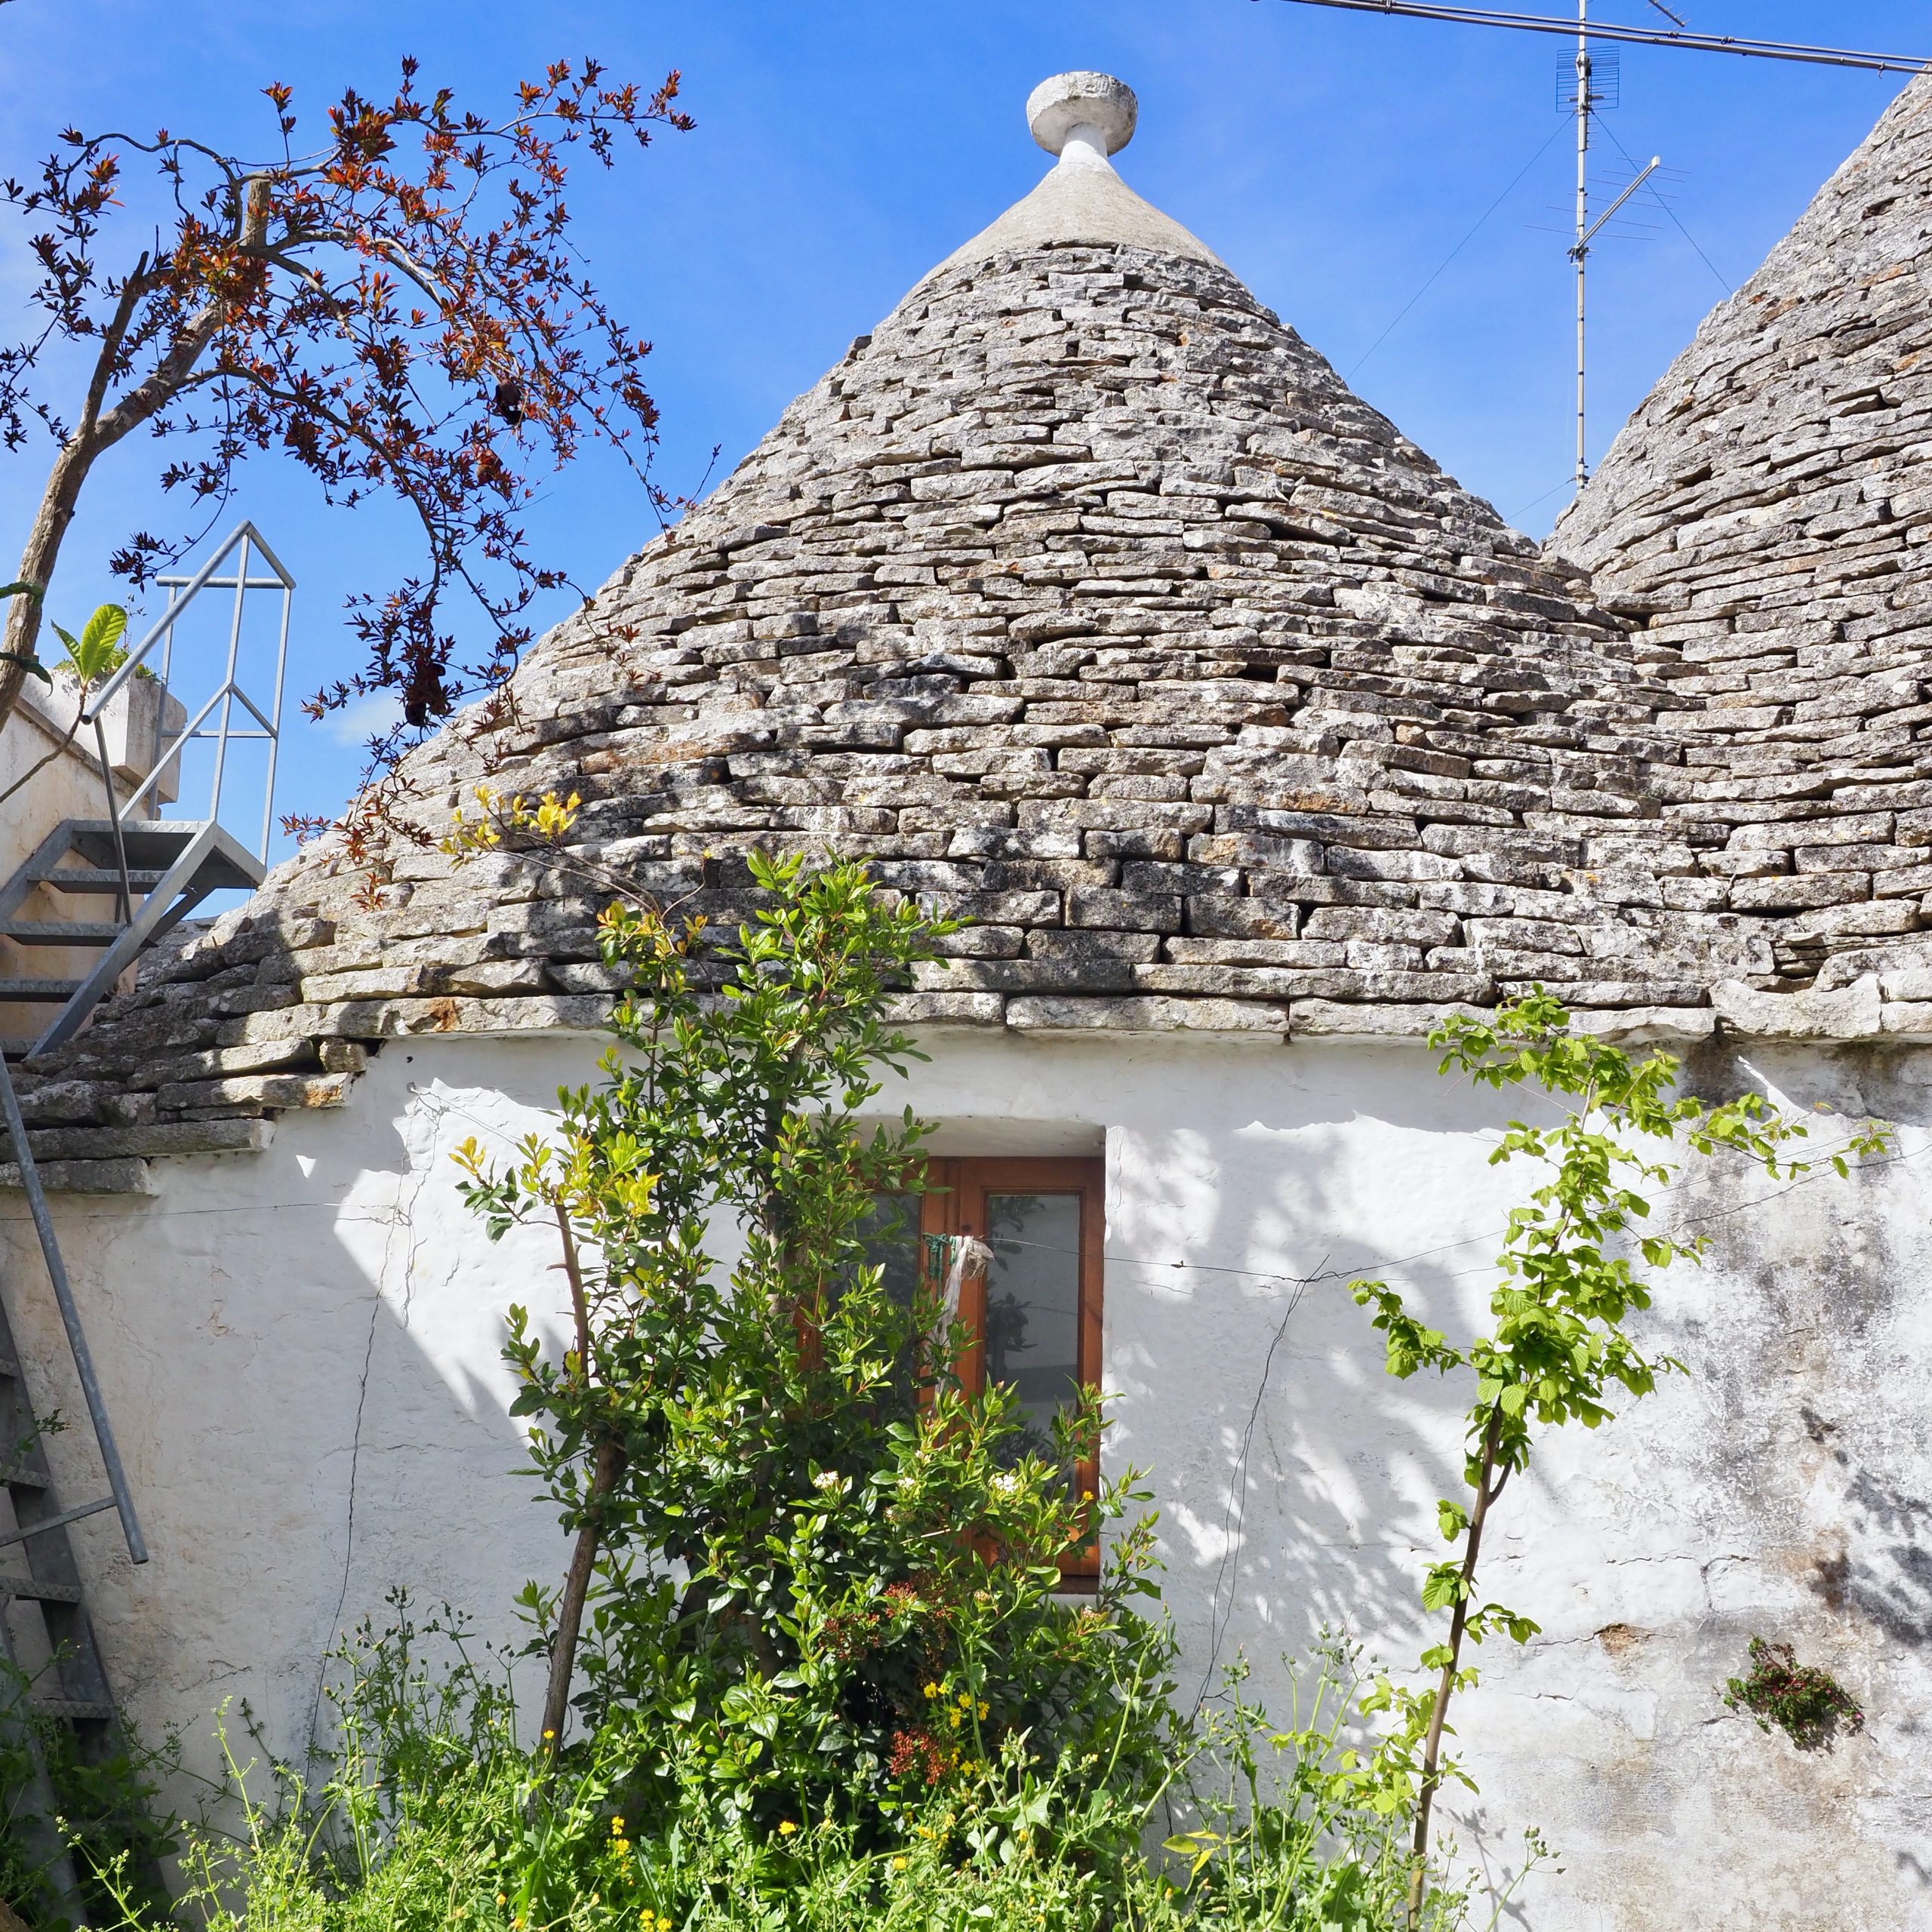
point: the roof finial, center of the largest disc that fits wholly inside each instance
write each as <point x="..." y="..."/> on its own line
<point x="1083" y="118"/>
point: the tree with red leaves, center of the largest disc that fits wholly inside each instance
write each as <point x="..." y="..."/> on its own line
<point x="400" y="310"/>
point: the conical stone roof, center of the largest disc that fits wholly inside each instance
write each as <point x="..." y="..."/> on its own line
<point x="1084" y="599"/>
<point x="1765" y="515"/>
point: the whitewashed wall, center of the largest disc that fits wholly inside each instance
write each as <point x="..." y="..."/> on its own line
<point x="301" y="1350"/>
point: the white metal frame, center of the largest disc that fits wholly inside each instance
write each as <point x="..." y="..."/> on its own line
<point x="224" y="731"/>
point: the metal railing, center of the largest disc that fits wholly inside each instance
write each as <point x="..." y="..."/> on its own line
<point x="215" y="722"/>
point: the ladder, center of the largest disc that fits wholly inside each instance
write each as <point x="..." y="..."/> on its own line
<point x="40" y="1589"/>
<point x="42" y="1575"/>
<point x="156" y="871"/>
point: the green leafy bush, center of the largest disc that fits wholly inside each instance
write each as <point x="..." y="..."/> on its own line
<point x="810" y="1667"/>
<point x="104" y="1800"/>
<point x="816" y="1573"/>
<point x="436" y="1817"/>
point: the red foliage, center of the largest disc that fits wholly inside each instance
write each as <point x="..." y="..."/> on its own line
<point x="917" y="1751"/>
<point x="399" y="311"/>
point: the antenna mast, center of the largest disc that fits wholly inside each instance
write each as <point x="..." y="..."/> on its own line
<point x="1580" y="252"/>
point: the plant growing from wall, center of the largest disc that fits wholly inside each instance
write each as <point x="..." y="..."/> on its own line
<point x="1561" y="1346"/>
<point x="1806" y="1703"/>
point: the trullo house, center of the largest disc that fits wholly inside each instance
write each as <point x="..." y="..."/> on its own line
<point x="1083" y="599"/>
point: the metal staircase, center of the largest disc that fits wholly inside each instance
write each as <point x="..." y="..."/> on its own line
<point x="171" y="866"/>
<point x="148" y="874"/>
<point x="152" y="871"/>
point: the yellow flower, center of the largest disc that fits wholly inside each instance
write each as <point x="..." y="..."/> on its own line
<point x="899" y="1865"/>
<point x="548" y="1735"/>
<point x="616" y="1828"/>
<point x="786" y="1828"/>
<point x="984" y="1707"/>
<point x="932" y="1691"/>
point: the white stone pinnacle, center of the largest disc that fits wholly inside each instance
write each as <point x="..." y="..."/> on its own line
<point x="1082" y="117"/>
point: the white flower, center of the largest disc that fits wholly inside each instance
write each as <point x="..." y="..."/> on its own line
<point x="828" y="1480"/>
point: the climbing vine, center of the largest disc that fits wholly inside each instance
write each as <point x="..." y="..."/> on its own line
<point x="1575" y="1268"/>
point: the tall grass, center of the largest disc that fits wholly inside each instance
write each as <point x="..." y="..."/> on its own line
<point x="435" y="1815"/>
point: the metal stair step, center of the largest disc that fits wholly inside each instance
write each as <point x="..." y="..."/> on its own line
<point x="28" y="1591"/>
<point x="72" y="1710"/>
<point x="59" y="992"/>
<point x="62" y="932"/>
<point x="16" y="1477"/>
<point x="148" y="842"/>
<point x="97" y="878"/>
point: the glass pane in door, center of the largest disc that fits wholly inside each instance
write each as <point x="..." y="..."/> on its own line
<point x="1033" y="1305"/>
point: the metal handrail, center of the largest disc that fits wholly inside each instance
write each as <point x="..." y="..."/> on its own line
<point x="252" y="546"/>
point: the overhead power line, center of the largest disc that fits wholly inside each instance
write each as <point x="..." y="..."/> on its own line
<point x="1698" y="43"/>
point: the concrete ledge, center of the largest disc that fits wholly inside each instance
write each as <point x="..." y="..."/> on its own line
<point x="120" y="1177"/>
<point x="1319" y="1019"/>
<point x="1639" y="1025"/>
<point x="283" y="1092"/>
<point x="1072" y="1014"/>
<point x="87" y="1145"/>
<point x="949" y="1009"/>
<point x="447" y="1012"/>
<point x="1853" y="1013"/>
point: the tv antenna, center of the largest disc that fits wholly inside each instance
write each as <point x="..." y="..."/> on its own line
<point x="1586" y="100"/>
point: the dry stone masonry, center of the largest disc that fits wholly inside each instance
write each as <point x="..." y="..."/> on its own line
<point x="1083" y="599"/>
<point x="1764" y="519"/>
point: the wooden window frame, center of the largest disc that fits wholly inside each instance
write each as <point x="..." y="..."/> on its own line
<point x="954" y="1202"/>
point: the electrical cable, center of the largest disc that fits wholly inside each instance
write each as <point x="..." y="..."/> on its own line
<point x="1349" y="375"/>
<point x="1684" y="42"/>
<point x="1534" y="501"/>
<point x="1650" y="189"/>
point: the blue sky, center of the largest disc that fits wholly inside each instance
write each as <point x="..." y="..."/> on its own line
<point x="843" y="146"/>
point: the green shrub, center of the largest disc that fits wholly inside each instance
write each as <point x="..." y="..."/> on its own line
<point x="436" y="1816"/>
<point x="817" y="1573"/>
<point x="810" y="1668"/>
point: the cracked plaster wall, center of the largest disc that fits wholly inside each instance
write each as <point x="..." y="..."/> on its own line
<point x="300" y="1348"/>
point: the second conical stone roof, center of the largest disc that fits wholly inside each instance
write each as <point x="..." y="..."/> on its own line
<point x="1766" y="513"/>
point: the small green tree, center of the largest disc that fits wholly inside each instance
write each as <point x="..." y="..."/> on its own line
<point x="814" y="1573"/>
<point x="1561" y="1345"/>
